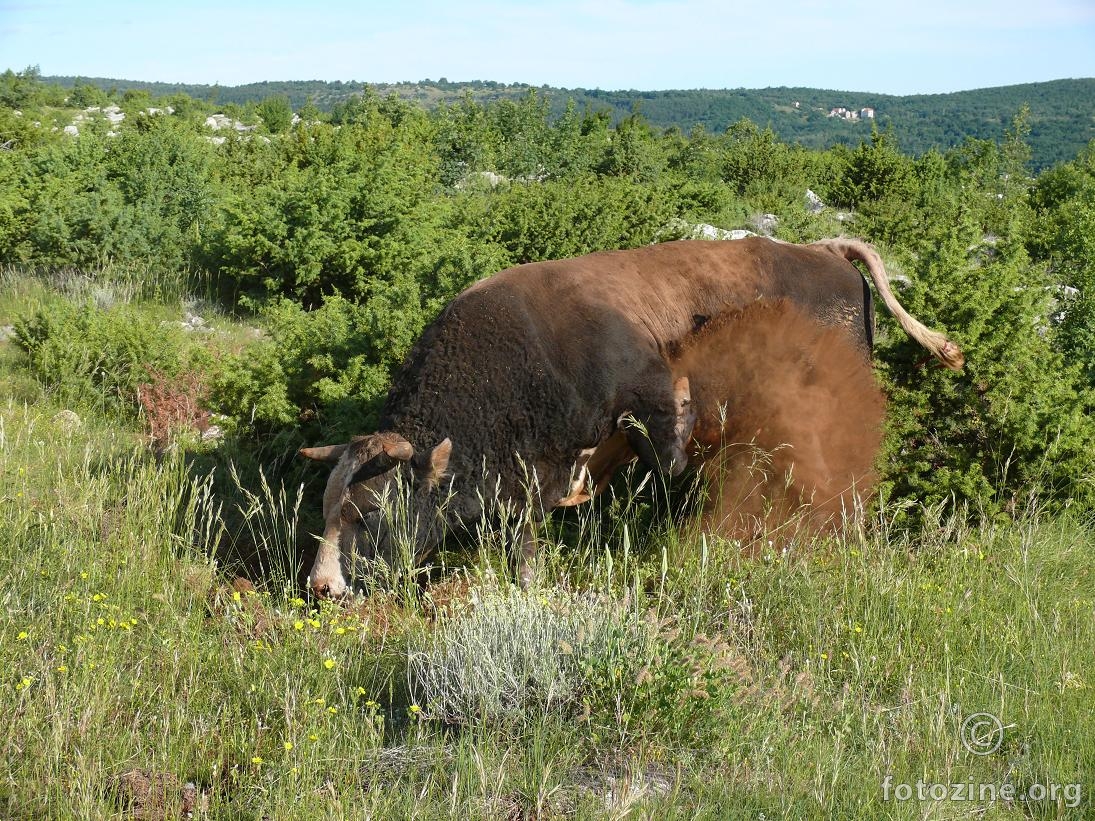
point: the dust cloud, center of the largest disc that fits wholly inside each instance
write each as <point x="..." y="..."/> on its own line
<point x="789" y="422"/>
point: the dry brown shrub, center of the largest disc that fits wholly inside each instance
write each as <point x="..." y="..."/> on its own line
<point x="172" y="404"/>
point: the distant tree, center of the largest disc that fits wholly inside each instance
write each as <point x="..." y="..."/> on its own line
<point x="276" y="114"/>
<point x="309" y="112"/>
<point x="85" y="95"/>
<point x="754" y="160"/>
<point x="19" y="90"/>
<point x="136" y="100"/>
<point x="466" y="140"/>
<point x="523" y="135"/>
<point x="1064" y="235"/>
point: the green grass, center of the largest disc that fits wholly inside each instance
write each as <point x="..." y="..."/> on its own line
<point x="709" y="684"/>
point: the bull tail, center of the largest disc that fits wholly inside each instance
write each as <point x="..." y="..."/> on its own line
<point x="935" y="342"/>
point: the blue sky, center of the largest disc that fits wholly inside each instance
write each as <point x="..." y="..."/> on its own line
<point x="926" y="46"/>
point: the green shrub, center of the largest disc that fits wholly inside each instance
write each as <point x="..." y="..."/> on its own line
<point x="1017" y="421"/>
<point x="85" y="354"/>
<point x="329" y="367"/>
<point x="567" y="218"/>
<point x="345" y="208"/>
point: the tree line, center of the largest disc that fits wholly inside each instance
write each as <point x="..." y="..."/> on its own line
<point x="1062" y="112"/>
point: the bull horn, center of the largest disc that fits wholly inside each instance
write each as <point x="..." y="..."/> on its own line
<point x="325" y="453"/>
<point x="381" y="463"/>
<point x="400" y="449"/>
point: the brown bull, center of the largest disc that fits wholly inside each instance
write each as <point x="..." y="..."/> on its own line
<point x="513" y="387"/>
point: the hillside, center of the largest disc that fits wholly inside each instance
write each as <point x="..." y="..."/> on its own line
<point x="1062" y="111"/>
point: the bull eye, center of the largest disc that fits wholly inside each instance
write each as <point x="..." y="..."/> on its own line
<point x="372" y="521"/>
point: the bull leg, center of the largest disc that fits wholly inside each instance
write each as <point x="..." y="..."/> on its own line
<point x="663" y="419"/>
<point x="528" y="569"/>
<point x="685" y="421"/>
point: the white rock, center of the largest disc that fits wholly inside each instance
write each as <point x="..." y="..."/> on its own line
<point x="68" y="421"/>
<point x="767" y="224"/>
<point x="213" y="433"/>
<point x="480" y="179"/>
<point x="71" y="130"/>
<point x="813" y="202"/>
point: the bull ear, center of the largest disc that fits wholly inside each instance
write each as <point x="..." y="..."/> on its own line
<point x="327" y="453"/>
<point x="438" y="463"/>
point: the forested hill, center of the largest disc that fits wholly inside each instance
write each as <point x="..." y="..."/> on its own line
<point x="1062" y="112"/>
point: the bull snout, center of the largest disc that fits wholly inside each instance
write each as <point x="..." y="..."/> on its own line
<point x="329" y="587"/>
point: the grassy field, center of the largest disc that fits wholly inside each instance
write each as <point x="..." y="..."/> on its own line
<point x="655" y="674"/>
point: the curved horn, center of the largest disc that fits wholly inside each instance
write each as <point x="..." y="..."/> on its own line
<point x="393" y="450"/>
<point x="326" y="453"/>
<point x="400" y="449"/>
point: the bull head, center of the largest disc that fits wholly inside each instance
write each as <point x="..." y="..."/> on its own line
<point x="365" y="473"/>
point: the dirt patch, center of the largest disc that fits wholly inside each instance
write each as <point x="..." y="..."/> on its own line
<point x="240" y="604"/>
<point x="153" y="796"/>
<point x="789" y="421"/>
